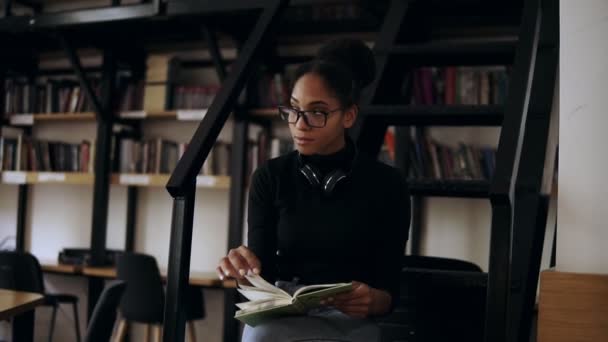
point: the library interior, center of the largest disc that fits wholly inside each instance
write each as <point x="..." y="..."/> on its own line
<point x="164" y="161"/>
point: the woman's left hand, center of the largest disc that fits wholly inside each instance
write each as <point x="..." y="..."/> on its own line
<point x="357" y="303"/>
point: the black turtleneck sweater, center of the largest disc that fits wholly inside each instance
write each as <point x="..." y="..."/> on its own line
<point x="356" y="233"/>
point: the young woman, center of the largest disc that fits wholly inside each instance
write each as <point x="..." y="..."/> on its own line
<point x="325" y="213"/>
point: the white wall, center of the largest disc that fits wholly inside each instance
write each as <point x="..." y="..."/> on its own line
<point x="583" y="212"/>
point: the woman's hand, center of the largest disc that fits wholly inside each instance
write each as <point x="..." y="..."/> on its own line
<point x="237" y="263"/>
<point x="361" y="302"/>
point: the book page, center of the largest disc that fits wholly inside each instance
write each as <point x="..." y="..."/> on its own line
<point x="262" y="284"/>
<point x="255" y="295"/>
<point x="261" y="305"/>
<point x="310" y="288"/>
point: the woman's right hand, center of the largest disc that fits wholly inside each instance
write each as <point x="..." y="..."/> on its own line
<point x="237" y="263"/>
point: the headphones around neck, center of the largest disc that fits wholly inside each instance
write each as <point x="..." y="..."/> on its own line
<point x="328" y="182"/>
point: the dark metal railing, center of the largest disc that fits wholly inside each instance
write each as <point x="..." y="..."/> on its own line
<point x="501" y="189"/>
<point x="182" y="183"/>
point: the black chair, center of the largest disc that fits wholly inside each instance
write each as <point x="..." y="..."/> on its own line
<point x="104" y="314"/>
<point x="21" y="271"/>
<point x="144" y="298"/>
<point x="441" y="299"/>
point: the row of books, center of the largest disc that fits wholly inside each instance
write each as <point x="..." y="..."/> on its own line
<point x="457" y="85"/>
<point x="52" y="96"/>
<point x="267" y="147"/>
<point x="272" y="90"/>
<point x="151" y="156"/>
<point x="130" y="94"/>
<point x="160" y="156"/>
<point x="66" y="96"/>
<point x="25" y="154"/>
<point x="194" y="97"/>
<point x="429" y="159"/>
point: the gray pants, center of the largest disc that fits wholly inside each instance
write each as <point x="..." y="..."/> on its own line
<point x="321" y="325"/>
<point x="331" y="325"/>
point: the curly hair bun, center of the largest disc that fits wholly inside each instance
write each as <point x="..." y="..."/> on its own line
<point x="354" y="55"/>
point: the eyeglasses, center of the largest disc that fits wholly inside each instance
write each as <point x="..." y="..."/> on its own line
<point x="312" y="118"/>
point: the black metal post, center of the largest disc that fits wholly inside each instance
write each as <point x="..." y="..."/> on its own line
<point x="553" y="261"/>
<point x="101" y="187"/>
<point x="8" y="8"/>
<point x="22" y="199"/>
<point x="238" y="175"/>
<point x="21" y="217"/>
<point x="132" y="194"/>
<point x="402" y="162"/>
<point x="23" y="327"/>
<point x="530" y="214"/>
<point x="416" y="229"/>
<point x="102" y="163"/>
<point x="179" y="265"/>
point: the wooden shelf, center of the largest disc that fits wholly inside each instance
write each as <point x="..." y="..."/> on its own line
<point x="20" y="177"/>
<point x="178" y="114"/>
<point x="31" y="119"/>
<point x="450" y="188"/>
<point x="155" y="180"/>
<point x="85" y="116"/>
<point x="82" y="178"/>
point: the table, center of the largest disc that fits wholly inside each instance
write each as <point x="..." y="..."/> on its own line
<point x="202" y="279"/>
<point x="20" y="306"/>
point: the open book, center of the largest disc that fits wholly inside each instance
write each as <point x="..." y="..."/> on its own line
<point x="267" y="301"/>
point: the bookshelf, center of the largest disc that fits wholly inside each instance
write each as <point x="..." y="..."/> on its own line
<point x="32" y="119"/>
<point x="21" y="177"/>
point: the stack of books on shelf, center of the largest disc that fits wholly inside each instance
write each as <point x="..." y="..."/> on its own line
<point x="50" y="96"/>
<point x="26" y="154"/>
<point x="429" y="159"/>
<point x="160" y="156"/>
<point x="131" y="94"/>
<point x="194" y="97"/>
<point x="272" y="90"/>
<point x="265" y="148"/>
<point x="457" y="85"/>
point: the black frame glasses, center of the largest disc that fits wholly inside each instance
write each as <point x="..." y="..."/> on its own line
<point x="313" y="118"/>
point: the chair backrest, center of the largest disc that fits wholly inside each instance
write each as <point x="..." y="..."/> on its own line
<point x="20" y="271"/>
<point x="104" y="314"/>
<point x="144" y="297"/>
